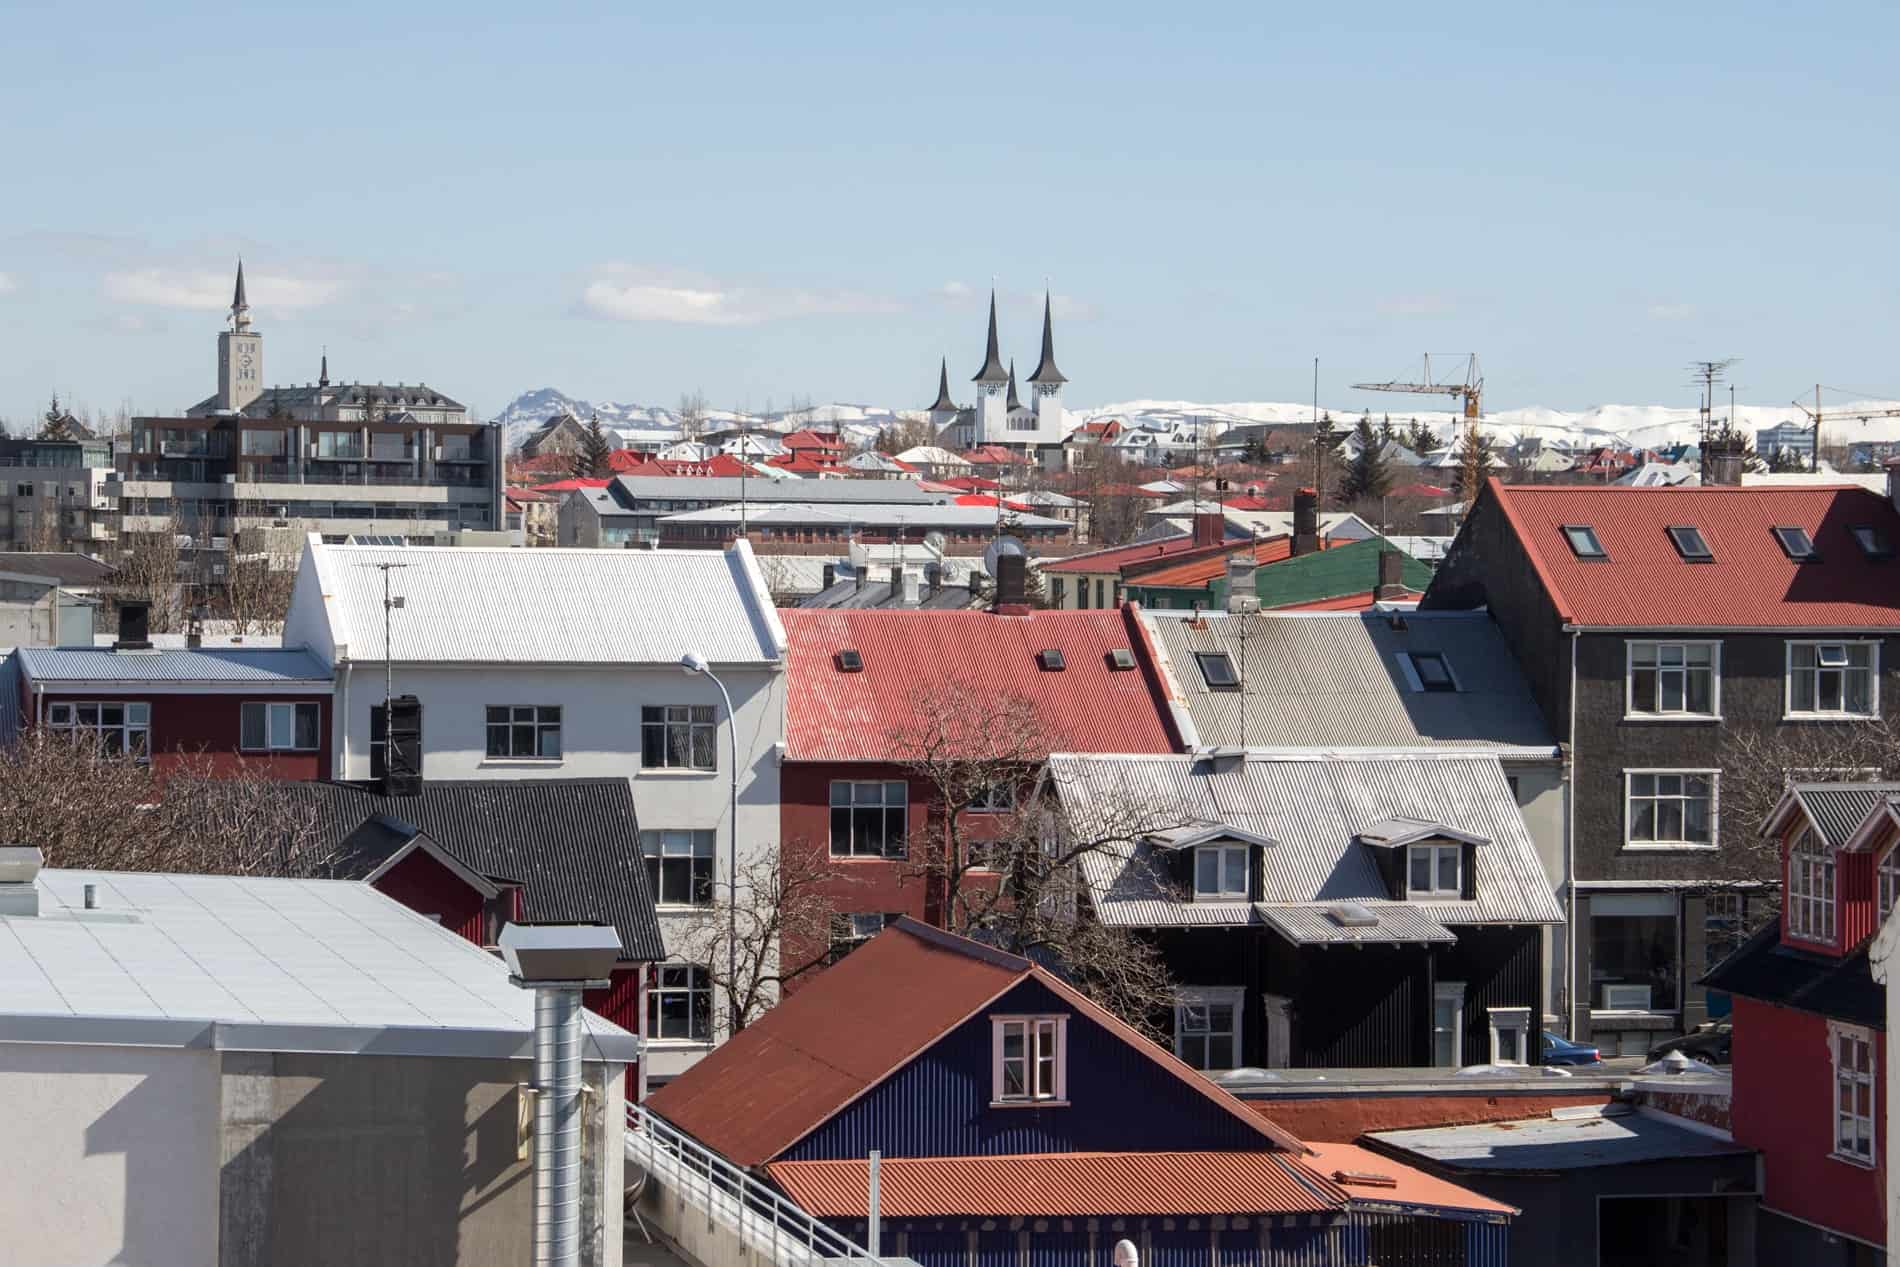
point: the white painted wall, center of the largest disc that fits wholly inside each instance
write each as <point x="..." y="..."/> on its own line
<point x="108" y="1155"/>
<point x="1542" y="795"/>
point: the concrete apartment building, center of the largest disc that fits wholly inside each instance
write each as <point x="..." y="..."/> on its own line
<point x="628" y="509"/>
<point x="58" y="494"/>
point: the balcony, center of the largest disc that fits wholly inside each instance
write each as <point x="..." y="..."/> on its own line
<point x="337" y="453"/>
<point x="189" y="449"/>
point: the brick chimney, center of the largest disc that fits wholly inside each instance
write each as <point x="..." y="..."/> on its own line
<point x="1306" y="521"/>
<point x="1210" y="527"/>
<point x="1391" y="587"/>
<point x="1012" y="598"/>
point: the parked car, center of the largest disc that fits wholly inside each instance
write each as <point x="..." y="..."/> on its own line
<point x="1561" y="1051"/>
<point x="1708" y="1043"/>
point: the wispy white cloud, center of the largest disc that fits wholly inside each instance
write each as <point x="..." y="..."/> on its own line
<point x="209" y="290"/>
<point x="625" y="293"/>
<point x="1671" y="312"/>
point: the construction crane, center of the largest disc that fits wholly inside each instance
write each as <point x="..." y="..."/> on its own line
<point x="1817" y="415"/>
<point x="1471" y="389"/>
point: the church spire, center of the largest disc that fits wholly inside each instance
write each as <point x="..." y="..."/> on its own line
<point x="1046" y="371"/>
<point x="1014" y="403"/>
<point x="944" y="403"/>
<point x="240" y="309"/>
<point x="992" y="371"/>
<point x="323" y="374"/>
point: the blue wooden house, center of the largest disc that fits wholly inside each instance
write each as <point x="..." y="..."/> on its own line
<point x="1020" y="1123"/>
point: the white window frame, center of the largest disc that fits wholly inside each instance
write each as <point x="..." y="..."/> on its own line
<point x="1715" y="811"/>
<point x="1223" y="893"/>
<point x="693" y="844"/>
<point x="1415" y="681"/>
<point x="1037" y="1031"/>
<point x="1632" y="713"/>
<point x="1846" y="1081"/>
<point x="134" y="728"/>
<point x="534" y="717"/>
<point x="1452" y="992"/>
<point x="1502" y="1019"/>
<point x="698" y="981"/>
<point x="270" y="708"/>
<point x="1210" y="996"/>
<point x="1812" y="914"/>
<point x="1788" y="710"/>
<point x="882" y="805"/>
<point x="1439" y="851"/>
<point x="1887" y="881"/>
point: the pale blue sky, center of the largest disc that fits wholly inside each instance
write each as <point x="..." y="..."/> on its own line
<point x="778" y="201"/>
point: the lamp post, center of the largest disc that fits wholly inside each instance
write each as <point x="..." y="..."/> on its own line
<point x="696" y="666"/>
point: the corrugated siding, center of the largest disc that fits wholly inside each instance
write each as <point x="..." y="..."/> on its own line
<point x="1314" y="925"/>
<point x="1419" y="1240"/>
<point x="1500" y="968"/>
<point x="207" y="664"/>
<point x="1325" y="1242"/>
<point x="1373" y="1013"/>
<point x="1838" y="809"/>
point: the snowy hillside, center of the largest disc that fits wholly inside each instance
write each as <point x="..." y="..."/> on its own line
<point x="529" y="410"/>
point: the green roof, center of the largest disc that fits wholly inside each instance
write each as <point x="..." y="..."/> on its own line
<point x="1349" y="568"/>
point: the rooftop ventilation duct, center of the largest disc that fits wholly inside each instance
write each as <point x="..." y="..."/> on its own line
<point x="19" y="873"/>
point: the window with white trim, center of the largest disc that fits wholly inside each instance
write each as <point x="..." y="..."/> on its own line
<point x="993" y="798"/>
<point x="851" y="929"/>
<point x="1672" y="808"/>
<point x="274" y="727"/>
<point x="1853" y="1051"/>
<point x="868" y="819"/>
<point x="1833" y="679"/>
<point x="1811" y="887"/>
<point x="1674" y="679"/>
<point x="1433" y="870"/>
<point x="679" y="737"/>
<point x="679" y="1002"/>
<point x="524" y="731"/>
<point x="1029" y="1064"/>
<point x="117" y="728"/>
<point x="1207" y="1027"/>
<point x="679" y="866"/>
<point x="1220" y="872"/>
<point x="1510" y="1035"/>
<point x="1889" y="874"/>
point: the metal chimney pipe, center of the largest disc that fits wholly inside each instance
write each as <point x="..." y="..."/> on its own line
<point x="557" y="1126"/>
<point x="876" y="1223"/>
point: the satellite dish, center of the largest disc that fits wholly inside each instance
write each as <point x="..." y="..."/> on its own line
<point x="1000" y="547"/>
<point x="935" y="543"/>
<point x="1126" y="1255"/>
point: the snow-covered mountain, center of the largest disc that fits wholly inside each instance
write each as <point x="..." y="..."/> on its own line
<point x="529" y="410"/>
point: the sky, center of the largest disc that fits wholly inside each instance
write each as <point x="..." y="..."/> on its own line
<point x="769" y="203"/>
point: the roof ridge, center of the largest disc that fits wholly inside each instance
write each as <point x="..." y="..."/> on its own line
<point x="961" y="945"/>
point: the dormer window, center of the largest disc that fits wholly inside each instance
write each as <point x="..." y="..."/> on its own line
<point x="1028" y="1060"/>
<point x="1220" y="873"/>
<point x="1583" y="541"/>
<point x="1796" y="543"/>
<point x="1690" y="545"/>
<point x="1811" y="888"/>
<point x="1434" y="871"/>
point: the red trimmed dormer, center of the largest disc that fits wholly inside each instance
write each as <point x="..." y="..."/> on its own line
<point x="1833" y="838"/>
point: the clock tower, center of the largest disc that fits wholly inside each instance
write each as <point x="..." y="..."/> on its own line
<point x="240" y="354"/>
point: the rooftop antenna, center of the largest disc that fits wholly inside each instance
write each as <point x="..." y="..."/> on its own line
<point x="1708" y="374"/>
<point x="390" y="604"/>
<point x="1318" y="469"/>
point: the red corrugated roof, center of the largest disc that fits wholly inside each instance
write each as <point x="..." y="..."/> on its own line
<point x="1364" y="600"/>
<point x="571" y="485"/>
<point x="816" y="440"/>
<point x="1061" y="1185"/>
<point x="1752" y="583"/>
<point x="1114" y="558"/>
<point x="970" y="483"/>
<point x="831" y="715"/>
<point x="1194" y="573"/>
<point x="1409" y="1186"/>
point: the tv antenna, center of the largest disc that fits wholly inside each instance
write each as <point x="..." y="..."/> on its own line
<point x="390" y="604"/>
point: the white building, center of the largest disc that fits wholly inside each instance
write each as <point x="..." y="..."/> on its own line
<point x="567" y="663"/>
<point x="998" y="417"/>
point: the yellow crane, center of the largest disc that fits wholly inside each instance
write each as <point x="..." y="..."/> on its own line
<point x="1817" y="415"/>
<point x="1471" y="388"/>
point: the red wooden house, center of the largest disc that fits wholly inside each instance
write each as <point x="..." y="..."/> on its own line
<point x="1809" y="1043"/>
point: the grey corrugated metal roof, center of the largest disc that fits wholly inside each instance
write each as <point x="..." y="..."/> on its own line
<point x="258" y="964"/>
<point x="203" y="664"/>
<point x="1332" y="680"/>
<point x="1314" y="808"/>
<point x="879" y="594"/>
<point x="1544" y="1143"/>
<point x="1315" y="925"/>
<point x="550" y="606"/>
<point x="792" y="511"/>
<point x="1836" y="809"/>
<point x="727" y="488"/>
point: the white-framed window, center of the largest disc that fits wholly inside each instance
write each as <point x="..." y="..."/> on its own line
<point x="1448" y="1024"/>
<point x="679" y="737"/>
<point x="850" y="929"/>
<point x="1028" y="1059"/>
<point x="679" y="1003"/>
<point x="1853" y="1051"/>
<point x="277" y="727"/>
<point x="1674" y="679"/>
<point x="1207" y="1026"/>
<point x="1220" y="872"/>
<point x="679" y="866"/>
<point x="868" y="819"/>
<point x="1427" y="671"/>
<point x="1889" y="875"/>
<point x="118" y="728"/>
<point x="1510" y="1035"/>
<point x="993" y="798"/>
<point x="1671" y="809"/>
<point x="1811" y="887"/>
<point x="1833" y="679"/>
<point x="1433" y="870"/>
<point x="524" y="731"/>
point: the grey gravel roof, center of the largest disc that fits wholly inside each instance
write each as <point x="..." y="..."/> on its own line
<point x="1557" y="1143"/>
<point x="1836" y="809"/>
<point x="204" y="664"/>
<point x="1327" y="680"/>
<point x="1314" y="808"/>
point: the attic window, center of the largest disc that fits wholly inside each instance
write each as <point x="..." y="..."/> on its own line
<point x="850" y="662"/>
<point x="1121" y="658"/>
<point x="1583" y="541"/>
<point x="1427" y="671"/>
<point x="1690" y="545"/>
<point x="1796" y="543"/>
<point x="1217" y="671"/>
<point x="1873" y="542"/>
<point x="1051" y="660"/>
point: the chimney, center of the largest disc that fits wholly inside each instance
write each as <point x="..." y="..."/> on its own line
<point x="1391" y="586"/>
<point x="831" y="576"/>
<point x="857" y="574"/>
<point x="1306" y="521"/>
<point x="1722" y="461"/>
<point x="135" y="620"/>
<point x="1210" y="527"/>
<point x="402" y="749"/>
<point x="1241" y="595"/>
<point x="910" y="585"/>
<point x="1011" y="594"/>
<point x="19" y="871"/>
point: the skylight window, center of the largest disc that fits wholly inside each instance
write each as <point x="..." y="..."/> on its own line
<point x="1217" y="671"/>
<point x="1690" y="545"/>
<point x="1796" y="543"/>
<point x="1583" y="541"/>
<point x="1051" y="660"/>
<point x="1873" y="542"/>
<point x="1121" y="658"/>
<point x="850" y="662"/>
<point x="1430" y="672"/>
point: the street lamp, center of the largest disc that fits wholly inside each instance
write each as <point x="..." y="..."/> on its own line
<point x="696" y="666"/>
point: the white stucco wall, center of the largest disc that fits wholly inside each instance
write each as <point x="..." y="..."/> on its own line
<point x="1542" y="795"/>
<point x="108" y="1155"/>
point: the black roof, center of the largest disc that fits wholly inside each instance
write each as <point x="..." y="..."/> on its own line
<point x="1768" y="971"/>
<point x="1013" y="403"/>
<point x="992" y="371"/>
<point x="65" y="567"/>
<point x="1046" y="371"/>
<point x="573" y="845"/>
<point x="943" y="400"/>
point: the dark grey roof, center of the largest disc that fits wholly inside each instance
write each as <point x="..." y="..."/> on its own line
<point x="277" y="400"/>
<point x="1046" y="371"/>
<point x="203" y="664"/>
<point x="1837" y="809"/>
<point x="992" y="371"/>
<point x="943" y="401"/>
<point x="1014" y="402"/>
<point x="573" y="845"/>
<point x="1545" y="1143"/>
<point x="1765" y="969"/>
<point x="237" y="295"/>
<point x="69" y="569"/>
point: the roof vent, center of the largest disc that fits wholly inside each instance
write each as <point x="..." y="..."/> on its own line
<point x="1051" y="660"/>
<point x="1121" y="658"/>
<point x="19" y="868"/>
<point x="850" y="662"/>
<point x="1352" y="915"/>
<point x="1365" y="1179"/>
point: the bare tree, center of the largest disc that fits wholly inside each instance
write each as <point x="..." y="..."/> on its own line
<point x="148" y="572"/>
<point x="1757" y="767"/>
<point x="259" y="580"/>
<point x="906" y="433"/>
<point x="692" y="414"/>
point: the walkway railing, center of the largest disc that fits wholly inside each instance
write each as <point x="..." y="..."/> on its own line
<point x="763" y="1220"/>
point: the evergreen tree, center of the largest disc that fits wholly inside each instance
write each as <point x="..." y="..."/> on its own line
<point x="1326" y="441"/>
<point x="58" y="424"/>
<point x="593" y="459"/>
<point x="1785" y="459"/>
<point x="1474" y="463"/>
<point x="1387" y="433"/>
<point x="1368" y="475"/>
<point x="1420" y="438"/>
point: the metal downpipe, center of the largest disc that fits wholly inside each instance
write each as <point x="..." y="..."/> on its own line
<point x="557" y="1127"/>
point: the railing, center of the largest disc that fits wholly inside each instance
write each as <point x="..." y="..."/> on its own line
<point x="765" y="1222"/>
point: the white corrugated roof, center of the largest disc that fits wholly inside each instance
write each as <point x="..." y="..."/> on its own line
<point x="259" y="964"/>
<point x="551" y="606"/>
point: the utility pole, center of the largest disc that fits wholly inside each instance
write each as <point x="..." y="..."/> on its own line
<point x="389" y="605"/>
